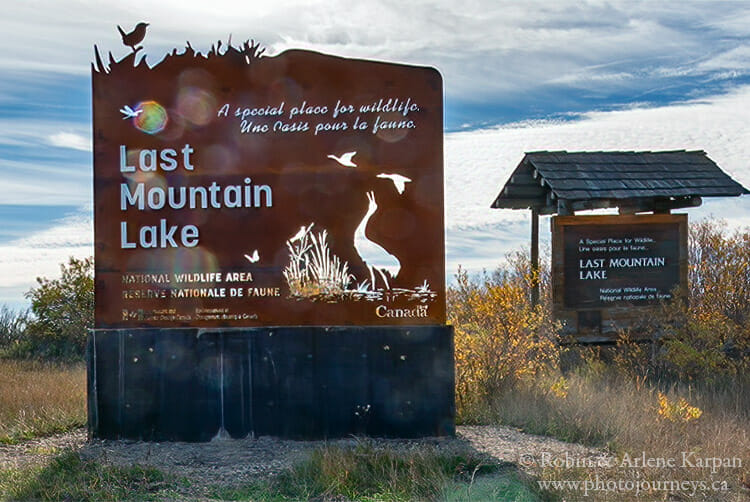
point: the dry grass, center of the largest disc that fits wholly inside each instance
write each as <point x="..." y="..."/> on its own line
<point x="625" y="417"/>
<point x="40" y="399"/>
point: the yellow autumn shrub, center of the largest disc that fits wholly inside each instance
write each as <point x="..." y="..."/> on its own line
<point x="500" y="338"/>
<point x="677" y="410"/>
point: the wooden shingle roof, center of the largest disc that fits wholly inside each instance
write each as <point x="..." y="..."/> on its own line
<point x="552" y="182"/>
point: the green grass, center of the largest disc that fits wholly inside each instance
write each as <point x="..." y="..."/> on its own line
<point x="371" y="473"/>
<point x="504" y="485"/>
<point x="365" y="473"/>
<point x="68" y="477"/>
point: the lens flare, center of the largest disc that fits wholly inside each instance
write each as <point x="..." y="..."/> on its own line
<point x="196" y="105"/>
<point x="152" y="119"/>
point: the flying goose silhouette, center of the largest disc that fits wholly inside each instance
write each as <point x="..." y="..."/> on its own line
<point x="398" y="180"/>
<point x="345" y="159"/>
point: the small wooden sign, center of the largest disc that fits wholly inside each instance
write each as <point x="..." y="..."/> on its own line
<point x="233" y="189"/>
<point x="607" y="269"/>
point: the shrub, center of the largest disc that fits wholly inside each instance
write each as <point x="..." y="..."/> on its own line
<point x="500" y="338"/>
<point x="706" y="336"/>
<point x="12" y="327"/>
<point x="62" y="312"/>
<point x="719" y="274"/>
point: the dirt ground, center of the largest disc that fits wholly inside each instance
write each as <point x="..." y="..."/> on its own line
<point x="231" y="461"/>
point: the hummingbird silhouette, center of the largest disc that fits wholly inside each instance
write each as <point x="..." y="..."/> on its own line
<point x="135" y="37"/>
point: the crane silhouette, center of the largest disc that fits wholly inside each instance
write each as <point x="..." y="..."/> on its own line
<point x="372" y="253"/>
<point x="135" y="37"/>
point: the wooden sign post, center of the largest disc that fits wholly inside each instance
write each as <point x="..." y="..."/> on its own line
<point x="610" y="271"/>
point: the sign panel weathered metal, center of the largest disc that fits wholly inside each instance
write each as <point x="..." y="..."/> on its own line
<point x="238" y="190"/>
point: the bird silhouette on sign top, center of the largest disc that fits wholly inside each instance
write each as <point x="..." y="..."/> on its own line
<point x="373" y="254"/>
<point x="345" y="159"/>
<point x="135" y="37"/>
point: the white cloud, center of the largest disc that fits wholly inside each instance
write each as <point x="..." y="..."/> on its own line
<point x="71" y="140"/>
<point x="474" y="158"/>
<point x="478" y="163"/>
<point x="36" y="133"/>
<point x="33" y="168"/>
<point x="40" y="255"/>
<point x="737" y="58"/>
<point x="45" y="182"/>
<point x="483" y="47"/>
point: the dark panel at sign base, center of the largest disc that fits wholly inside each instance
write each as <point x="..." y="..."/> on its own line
<point x="344" y="393"/>
<point x="304" y="383"/>
<point x="284" y="373"/>
<point x="188" y="386"/>
<point x="236" y="364"/>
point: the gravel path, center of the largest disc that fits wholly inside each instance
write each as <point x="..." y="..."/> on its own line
<point x="40" y="450"/>
<point x="530" y="452"/>
<point x="231" y="462"/>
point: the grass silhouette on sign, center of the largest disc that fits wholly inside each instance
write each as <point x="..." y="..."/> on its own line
<point x="313" y="270"/>
<point x="246" y="53"/>
<point x="315" y="273"/>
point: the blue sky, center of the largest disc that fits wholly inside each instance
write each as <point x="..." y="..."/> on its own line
<point x="518" y="76"/>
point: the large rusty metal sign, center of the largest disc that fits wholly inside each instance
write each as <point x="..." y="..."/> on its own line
<point x="233" y="189"/>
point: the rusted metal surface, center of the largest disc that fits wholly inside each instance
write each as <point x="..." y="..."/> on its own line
<point x="608" y="272"/>
<point x="239" y="190"/>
